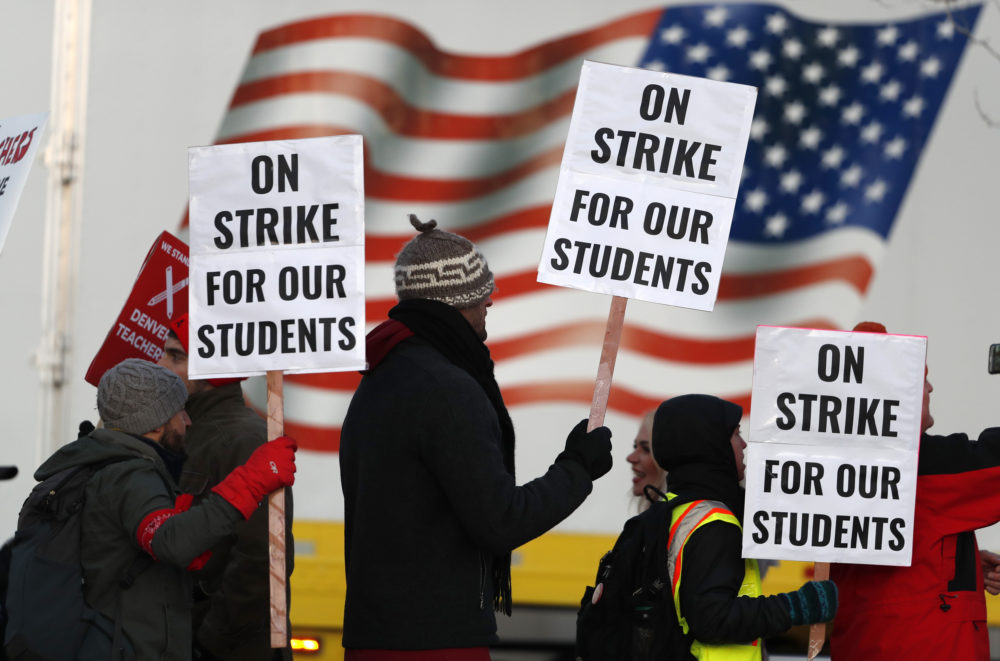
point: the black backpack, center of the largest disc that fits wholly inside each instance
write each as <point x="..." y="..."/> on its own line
<point x="628" y="615"/>
<point x="41" y="576"/>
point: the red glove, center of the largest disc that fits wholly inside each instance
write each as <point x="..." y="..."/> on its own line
<point x="270" y="467"/>
<point x="151" y="524"/>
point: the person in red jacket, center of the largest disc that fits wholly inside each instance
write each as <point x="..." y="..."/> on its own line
<point x="935" y="608"/>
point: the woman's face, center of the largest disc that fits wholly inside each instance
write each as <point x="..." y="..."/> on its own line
<point x="644" y="469"/>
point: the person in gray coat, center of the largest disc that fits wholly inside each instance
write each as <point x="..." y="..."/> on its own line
<point x="133" y="507"/>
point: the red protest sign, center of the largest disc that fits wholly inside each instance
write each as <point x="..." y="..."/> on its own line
<point x="158" y="296"/>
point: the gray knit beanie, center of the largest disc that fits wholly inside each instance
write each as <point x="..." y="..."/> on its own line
<point x="137" y="396"/>
<point x="443" y="267"/>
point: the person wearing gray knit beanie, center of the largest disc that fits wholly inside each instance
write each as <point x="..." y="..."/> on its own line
<point x="136" y="396"/>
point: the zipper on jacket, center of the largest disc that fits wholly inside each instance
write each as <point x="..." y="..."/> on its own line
<point x="482" y="581"/>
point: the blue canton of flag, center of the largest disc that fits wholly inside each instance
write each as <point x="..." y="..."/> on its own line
<point x="842" y="114"/>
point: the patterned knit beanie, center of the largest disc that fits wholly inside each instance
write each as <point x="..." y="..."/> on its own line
<point x="443" y="267"/>
<point x="136" y="396"/>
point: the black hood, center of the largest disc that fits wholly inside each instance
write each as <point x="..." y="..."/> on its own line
<point x="691" y="441"/>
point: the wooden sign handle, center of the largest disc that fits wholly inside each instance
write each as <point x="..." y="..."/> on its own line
<point x="276" y="517"/>
<point x="606" y="369"/>
<point x="817" y="632"/>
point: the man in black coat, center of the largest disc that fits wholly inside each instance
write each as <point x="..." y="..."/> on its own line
<point x="432" y="509"/>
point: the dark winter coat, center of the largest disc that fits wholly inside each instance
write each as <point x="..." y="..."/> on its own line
<point x="691" y="441"/>
<point x="156" y="610"/>
<point x="232" y="607"/>
<point x="429" y="504"/>
<point x="935" y="608"/>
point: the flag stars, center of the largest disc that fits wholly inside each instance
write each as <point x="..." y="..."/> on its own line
<point x="913" y="106"/>
<point x="655" y="65"/>
<point x="793" y="49"/>
<point x="851" y="177"/>
<point x="738" y="38"/>
<point x="849" y="57"/>
<point x="791" y="181"/>
<point x="673" y="35"/>
<point x="887" y="36"/>
<point x="872" y="73"/>
<point x="776" y="24"/>
<point x="759" y="128"/>
<point x="718" y="72"/>
<point x="891" y="91"/>
<point x="813" y="202"/>
<point x="776" y="225"/>
<point x="716" y="17"/>
<point x="946" y="29"/>
<point x="930" y="68"/>
<point x="853" y="113"/>
<point x="829" y="95"/>
<point x="895" y="148"/>
<point x="813" y="73"/>
<point x="908" y="52"/>
<point x="775" y="86"/>
<point x="876" y="190"/>
<point x="795" y="112"/>
<point x="775" y="156"/>
<point x="756" y="200"/>
<point x="699" y="53"/>
<point x="871" y="133"/>
<point x="811" y="138"/>
<point x="760" y="59"/>
<point x="833" y="157"/>
<point x="837" y="214"/>
<point x="828" y="37"/>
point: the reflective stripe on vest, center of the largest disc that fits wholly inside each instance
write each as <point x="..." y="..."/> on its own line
<point x="684" y="520"/>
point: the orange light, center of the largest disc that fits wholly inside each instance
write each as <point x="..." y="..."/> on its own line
<point x="305" y="645"/>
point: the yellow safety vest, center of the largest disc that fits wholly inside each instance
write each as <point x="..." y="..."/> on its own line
<point x="684" y="520"/>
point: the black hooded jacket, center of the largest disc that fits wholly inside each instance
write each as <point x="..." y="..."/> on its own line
<point x="692" y="442"/>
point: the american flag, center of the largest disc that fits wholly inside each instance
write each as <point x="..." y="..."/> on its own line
<point x="843" y="112"/>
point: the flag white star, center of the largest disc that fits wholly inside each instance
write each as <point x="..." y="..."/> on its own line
<point x="655" y="65"/>
<point x="775" y="156"/>
<point x="790" y="181"/>
<point x="775" y="86"/>
<point x="946" y="29"/>
<point x="776" y="24"/>
<point x="837" y="214"/>
<point x="759" y="128"/>
<point x="813" y="73"/>
<point x="673" y="35"/>
<point x="930" y="67"/>
<point x="872" y="73"/>
<point x="828" y="36"/>
<point x="738" y="37"/>
<point x="895" y="148"/>
<point x="891" y="90"/>
<point x="829" y="95"/>
<point x="876" y="190"/>
<point x="887" y="36"/>
<point x="699" y="53"/>
<point x="908" y="52"/>
<point x="853" y="113"/>
<point x="811" y="138"/>
<point x="833" y="157"/>
<point x="776" y="225"/>
<point x="851" y="176"/>
<point x="913" y="106"/>
<point x="760" y="59"/>
<point x="793" y="49"/>
<point x="848" y="57"/>
<point x="813" y="202"/>
<point x="718" y="72"/>
<point x="756" y="200"/>
<point x="716" y="16"/>
<point x="795" y="112"/>
<point x="871" y="133"/>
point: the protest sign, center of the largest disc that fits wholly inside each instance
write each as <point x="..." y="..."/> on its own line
<point x="647" y="185"/>
<point x="158" y="296"/>
<point x="19" y="140"/>
<point x="277" y="257"/>
<point x="832" y="453"/>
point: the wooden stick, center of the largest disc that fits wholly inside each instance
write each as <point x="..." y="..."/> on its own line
<point x="817" y="632"/>
<point x="606" y="369"/>
<point x="276" y="517"/>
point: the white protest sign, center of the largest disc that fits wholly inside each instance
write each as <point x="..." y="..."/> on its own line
<point x="19" y="140"/>
<point x="648" y="185"/>
<point x="832" y="454"/>
<point x="277" y="257"/>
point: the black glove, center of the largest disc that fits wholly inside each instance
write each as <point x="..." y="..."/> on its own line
<point x="590" y="449"/>
<point x="816" y="601"/>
